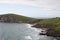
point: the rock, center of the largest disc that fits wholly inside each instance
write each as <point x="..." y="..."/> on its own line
<point x="9" y="19"/>
<point x="58" y="38"/>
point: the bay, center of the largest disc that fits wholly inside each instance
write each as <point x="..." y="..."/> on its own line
<point x="21" y="31"/>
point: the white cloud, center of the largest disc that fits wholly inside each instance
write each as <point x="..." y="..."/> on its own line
<point x="39" y="3"/>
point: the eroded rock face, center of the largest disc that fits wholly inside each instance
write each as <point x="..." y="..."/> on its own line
<point x="43" y="26"/>
<point x="50" y="31"/>
<point x="8" y="19"/>
<point x="53" y="33"/>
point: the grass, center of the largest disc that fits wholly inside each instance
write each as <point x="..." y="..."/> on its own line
<point x="52" y="21"/>
<point x="57" y="28"/>
<point x="19" y="17"/>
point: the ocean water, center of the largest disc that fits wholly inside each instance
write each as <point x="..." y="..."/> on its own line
<point x="22" y="31"/>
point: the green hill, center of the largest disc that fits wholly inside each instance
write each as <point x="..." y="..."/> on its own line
<point x="15" y="17"/>
<point x="52" y="25"/>
<point x="53" y="21"/>
<point x="20" y="17"/>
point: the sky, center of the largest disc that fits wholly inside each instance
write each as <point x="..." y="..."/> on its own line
<point x="31" y="8"/>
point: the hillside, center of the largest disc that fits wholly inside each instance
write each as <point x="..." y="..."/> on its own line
<point x="52" y="25"/>
<point x="15" y="18"/>
<point x="53" y="22"/>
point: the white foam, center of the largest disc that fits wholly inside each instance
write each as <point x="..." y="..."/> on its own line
<point x="35" y="29"/>
<point x="28" y="37"/>
<point x="29" y="26"/>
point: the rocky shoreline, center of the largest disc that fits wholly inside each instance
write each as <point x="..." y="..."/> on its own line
<point x="52" y="25"/>
<point x="49" y="31"/>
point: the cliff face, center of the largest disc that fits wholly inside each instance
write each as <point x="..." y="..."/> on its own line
<point x="8" y="19"/>
<point x="52" y="25"/>
<point x="48" y="26"/>
<point x="13" y="18"/>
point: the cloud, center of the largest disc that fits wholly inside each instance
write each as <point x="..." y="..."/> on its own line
<point x="55" y="4"/>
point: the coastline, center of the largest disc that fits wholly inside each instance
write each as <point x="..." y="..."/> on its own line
<point x="48" y="24"/>
<point x="49" y="31"/>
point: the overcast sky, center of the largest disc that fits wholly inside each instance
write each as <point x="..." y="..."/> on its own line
<point x="31" y="8"/>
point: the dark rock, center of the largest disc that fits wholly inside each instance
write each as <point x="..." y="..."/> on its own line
<point x="9" y="19"/>
<point x="58" y="38"/>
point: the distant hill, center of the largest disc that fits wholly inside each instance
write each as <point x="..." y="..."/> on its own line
<point x="15" y="18"/>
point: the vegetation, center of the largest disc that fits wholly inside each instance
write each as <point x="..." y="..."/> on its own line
<point x="17" y="18"/>
<point x="22" y="18"/>
<point x="52" y="24"/>
<point x="52" y="21"/>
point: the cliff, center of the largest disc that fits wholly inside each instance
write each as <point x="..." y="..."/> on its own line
<point x="52" y="25"/>
<point x="14" y="18"/>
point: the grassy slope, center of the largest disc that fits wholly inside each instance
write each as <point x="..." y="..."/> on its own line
<point x="52" y="21"/>
<point x="20" y="17"/>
